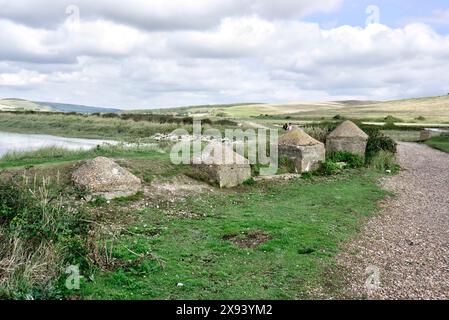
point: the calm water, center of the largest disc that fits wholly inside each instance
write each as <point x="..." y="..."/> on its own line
<point x="26" y="142"/>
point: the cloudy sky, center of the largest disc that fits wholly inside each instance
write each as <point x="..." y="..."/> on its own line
<point x="154" y="53"/>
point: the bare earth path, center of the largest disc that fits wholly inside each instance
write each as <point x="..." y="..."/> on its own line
<point x="404" y="252"/>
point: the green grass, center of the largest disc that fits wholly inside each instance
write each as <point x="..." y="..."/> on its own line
<point x="440" y="143"/>
<point x="52" y="155"/>
<point x="306" y="222"/>
<point x="83" y="126"/>
<point x="431" y="110"/>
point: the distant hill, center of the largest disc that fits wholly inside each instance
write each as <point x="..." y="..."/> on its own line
<point x="434" y="109"/>
<point x="14" y="104"/>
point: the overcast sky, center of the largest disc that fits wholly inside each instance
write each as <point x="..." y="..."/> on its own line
<point x="148" y="53"/>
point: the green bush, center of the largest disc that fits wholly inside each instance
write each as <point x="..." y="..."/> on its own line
<point x="329" y="168"/>
<point x="317" y="133"/>
<point x="391" y="119"/>
<point x="37" y="232"/>
<point x="378" y="142"/>
<point x="352" y="160"/>
<point x="338" y="117"/>
<point x="249" y="182"/>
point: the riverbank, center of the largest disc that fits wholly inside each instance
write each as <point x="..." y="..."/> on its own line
<point x="11" y="143"/>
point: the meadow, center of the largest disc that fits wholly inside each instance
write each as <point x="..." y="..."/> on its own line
<point x="261" y="240"/>
<point x="420" y="110"/>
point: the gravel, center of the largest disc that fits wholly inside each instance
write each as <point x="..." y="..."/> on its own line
<point x="403" y="253"/>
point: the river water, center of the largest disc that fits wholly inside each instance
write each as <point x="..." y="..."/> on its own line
<point x="10" y="142"/>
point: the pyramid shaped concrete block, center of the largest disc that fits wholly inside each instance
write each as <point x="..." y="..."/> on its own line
<point x="347" y="137"/>
<point x="102" y="176"/>
<point x="306" y="152"/>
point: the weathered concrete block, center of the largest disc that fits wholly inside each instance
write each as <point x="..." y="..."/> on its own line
<point x="307" y="153"/>
<point x="102" y="176"/>
<point x="425" y="135"/>
<point x="226" y="176"/>
<point x="347" y="137"/>
<point x="223" y="166"/>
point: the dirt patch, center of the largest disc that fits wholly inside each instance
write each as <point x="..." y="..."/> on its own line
<point x="249" y="239"/>
<point x="175" y="188"/>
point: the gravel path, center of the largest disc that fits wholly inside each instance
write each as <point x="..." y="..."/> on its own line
<point x="404" y="252"/>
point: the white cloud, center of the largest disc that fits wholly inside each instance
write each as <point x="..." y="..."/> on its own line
<point x="157" y="14"/>
<point x="247" y="51"/>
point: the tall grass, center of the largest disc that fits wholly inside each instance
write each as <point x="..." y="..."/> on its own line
<point x="126" y="127"/>
<point x="56" y="154"/>
<point x="383" y="161"/>
<point x="84" y="126"/>
<point x="38" y="232"/>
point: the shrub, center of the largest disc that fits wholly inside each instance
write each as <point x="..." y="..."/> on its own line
<point x="317" y="133"/>
<point x="352" y="160"/>
<point x="338" y="117"/>
<point x="249" y="182"/>
<point x="377" y="142"/>
<point x="329" y="168"/>
<point x="36" y="234"/>
<point x="391" y="119"/>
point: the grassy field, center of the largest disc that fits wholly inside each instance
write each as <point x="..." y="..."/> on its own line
<point x="440" y="143"/>
<point x="58" y="155"/>
<point x="83" y="126"/>
<point x="270" y="241"/>
<point x="19" y="104"/>
<point x="420" y="110"/>
<point x="259" y="240"/>
<point x="301" y="225"/>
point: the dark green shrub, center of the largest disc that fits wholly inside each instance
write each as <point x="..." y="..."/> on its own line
<point x="391" y="119"/>
<point x="249" y="182"/>
<point x="377" y="142"/>
<point x="338" y="117"/>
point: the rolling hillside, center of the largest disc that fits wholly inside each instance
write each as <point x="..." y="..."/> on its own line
<point x="12" y="104"/>
<point x="435" y="109"/>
